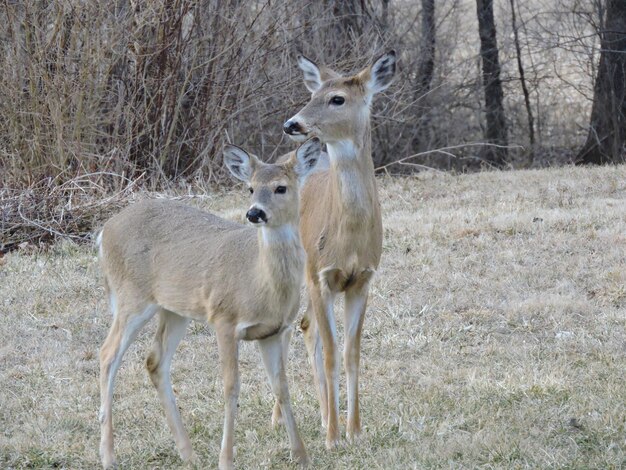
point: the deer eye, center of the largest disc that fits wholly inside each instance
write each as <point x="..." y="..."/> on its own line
<point x="280" y="190"/>
<point x="337" y="100"/>
<point x="251" y="190"/>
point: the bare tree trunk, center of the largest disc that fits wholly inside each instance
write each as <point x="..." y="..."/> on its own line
<point x="606" y="140"/>
<point x="522" y="77"/>
<point x="334" y="26"/>
<point x="350" y="18"/>
<point x="385" y="15"/>
<point x="495" y="131"/>
<point x="426" y="64"/>
<point x="424" y="76"/>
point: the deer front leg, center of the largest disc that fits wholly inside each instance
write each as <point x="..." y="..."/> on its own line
<point x="323" y="300"/>
<point x="313" y="342"/>
<point x="277" y="417"/>
<point x="355" y="305"/>
<point x="272" y="350"/>
<point x="228" y="352"/>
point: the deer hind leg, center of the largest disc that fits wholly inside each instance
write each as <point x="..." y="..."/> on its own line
<point x="313" y="342"/>
<point x="127" y="322"/>
<point x="323" y="300"/>
<point x="272" y="350"/>
<point x="355" y="305"/>
<point x="170" y="332"/>
<point x="277" y="417"/>
<point x="228" y="352"/>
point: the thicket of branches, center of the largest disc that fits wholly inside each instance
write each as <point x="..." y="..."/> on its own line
<point x="99" y="94"/>
<point x="156" y="87"/>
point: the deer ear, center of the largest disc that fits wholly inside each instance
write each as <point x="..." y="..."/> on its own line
<point x="312" y="74"/>
<point x="240" y="163"/>
<point x="381" y="72"/>
<point x="307" y="156"/>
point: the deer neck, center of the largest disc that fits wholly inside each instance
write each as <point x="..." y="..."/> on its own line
<point x="281" y="256"/>
<point x="352" y="174"/>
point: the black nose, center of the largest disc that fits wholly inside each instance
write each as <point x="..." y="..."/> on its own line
<point x="292" y="128"/>
<point x="255" y="215"/>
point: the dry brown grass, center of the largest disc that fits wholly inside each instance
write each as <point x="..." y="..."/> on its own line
<point x="495" y="339"/>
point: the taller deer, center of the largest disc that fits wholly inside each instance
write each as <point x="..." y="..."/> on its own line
<point x="340" y="225"/>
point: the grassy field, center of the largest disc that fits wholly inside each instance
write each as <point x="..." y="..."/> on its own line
<point x="496" y="338"/>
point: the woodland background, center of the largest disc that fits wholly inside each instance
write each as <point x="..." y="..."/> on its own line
<point x="102" y="98"/>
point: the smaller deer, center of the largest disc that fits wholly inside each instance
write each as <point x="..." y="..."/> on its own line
<point x="165" y="258"/>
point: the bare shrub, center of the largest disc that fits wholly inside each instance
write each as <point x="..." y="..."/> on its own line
<point x="46" y="211"/>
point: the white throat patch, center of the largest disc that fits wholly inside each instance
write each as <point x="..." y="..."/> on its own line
<point x="351" y="184"/>
<point x="283" y="234"/>
<point x="342" y="150"/>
